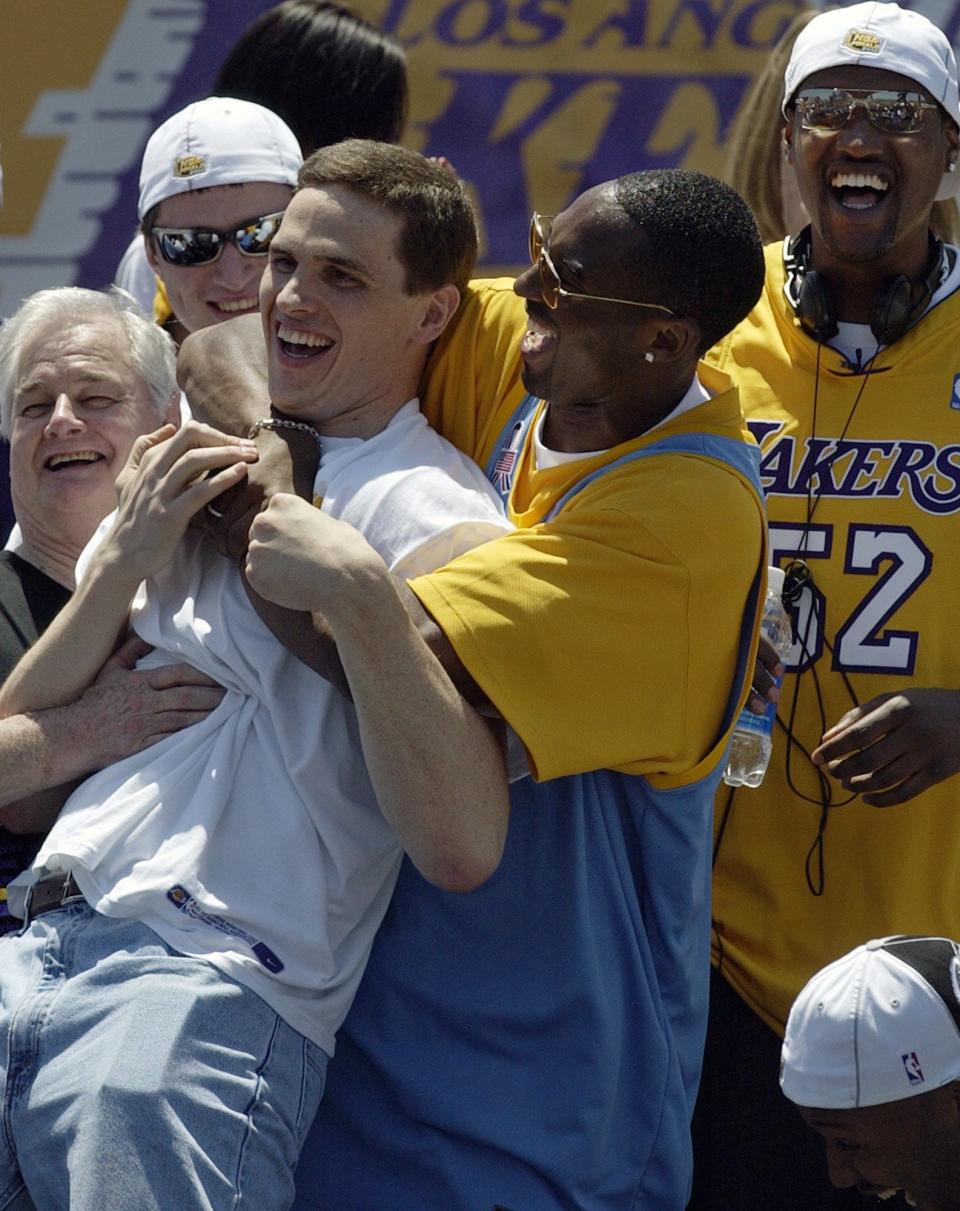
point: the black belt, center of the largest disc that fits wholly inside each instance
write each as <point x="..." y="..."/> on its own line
<point x="51" y="892"/>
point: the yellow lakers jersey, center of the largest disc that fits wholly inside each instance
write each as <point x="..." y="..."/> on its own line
<point x="862" y="477"/>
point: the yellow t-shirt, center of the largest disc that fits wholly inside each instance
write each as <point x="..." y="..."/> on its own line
<point x="162" y="311"/>
<point x="882" y="546"/>
<point x="607" y="637"/>
<point x="471" y="383"/>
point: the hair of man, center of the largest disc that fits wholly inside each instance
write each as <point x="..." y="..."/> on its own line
<point x="328" y="73"/>
<point x="437" y="243"/>
<point x="702" y="256"/>
<point x="151" y="350"/>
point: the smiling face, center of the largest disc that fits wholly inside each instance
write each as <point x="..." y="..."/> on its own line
<point x="563" y="348"/>
<point x="911" y="1145"/>
<point x="587" y="352"/>
<point x="201" y="295"/>
<point x="345" y="342"/>
<point x="870" y="193"/>
<point x="78" y="405"/>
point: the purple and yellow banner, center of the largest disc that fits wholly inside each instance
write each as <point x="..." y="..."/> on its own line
<point x="532" y="101"/>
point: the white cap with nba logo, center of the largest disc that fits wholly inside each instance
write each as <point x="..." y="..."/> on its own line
<point x="882" y="35"/>
<point x="879" y="1025"/>
<point x="217" y="141"/>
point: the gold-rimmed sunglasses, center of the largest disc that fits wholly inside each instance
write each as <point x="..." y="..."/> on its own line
<point x="889" y="110"/>
<point x="550" y="288"/>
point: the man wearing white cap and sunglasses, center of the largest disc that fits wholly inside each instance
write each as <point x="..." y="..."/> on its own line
<point x="215" y="180"/>
<point x="872" y="1058"/>
<point x="850" y="380"/>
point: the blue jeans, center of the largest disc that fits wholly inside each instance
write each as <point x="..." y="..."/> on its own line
<point x="134" y="1077"/>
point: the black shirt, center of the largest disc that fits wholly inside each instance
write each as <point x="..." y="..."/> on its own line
<point x="29" y="601"/>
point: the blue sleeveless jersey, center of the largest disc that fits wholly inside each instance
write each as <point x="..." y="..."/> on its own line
<point x="536" y="1044"/>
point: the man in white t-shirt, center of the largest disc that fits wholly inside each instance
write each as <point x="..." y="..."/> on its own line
<point x="199" y="917"/>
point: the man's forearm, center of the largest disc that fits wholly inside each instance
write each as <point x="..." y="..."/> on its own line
<point x="306" y="636"/>
<point x="223" y="372"/>
<point x="437" y="766"/>
<point x="40" y="762"/>
<point x="310" y="639"/>
<point x="66" y="659"/>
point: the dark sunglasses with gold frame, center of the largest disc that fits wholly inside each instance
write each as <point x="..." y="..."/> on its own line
<point x="550" y="288"/>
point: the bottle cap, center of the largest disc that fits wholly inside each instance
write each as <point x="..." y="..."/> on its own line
<point x="775" y="581"/>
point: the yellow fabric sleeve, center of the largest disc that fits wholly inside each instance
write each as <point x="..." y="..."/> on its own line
<point x="649" y="569"/>
<point x="471" y="383"/>
<point x="162" y="311"/>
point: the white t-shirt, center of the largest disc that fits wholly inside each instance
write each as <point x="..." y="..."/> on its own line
<point x="252" y="839"/>
<point x="135" y="274"/>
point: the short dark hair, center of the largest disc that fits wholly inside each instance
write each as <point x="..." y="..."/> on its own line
<point x="328" y="73"/>
<point x="702" y="257"/>
<point x="438" y="238"/>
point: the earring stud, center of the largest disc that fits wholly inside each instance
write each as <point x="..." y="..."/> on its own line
<point x="648" y="356"/>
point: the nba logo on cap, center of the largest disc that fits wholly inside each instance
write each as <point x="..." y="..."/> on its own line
<point x="189" y="166"/>
<point x="955" y="393"/>
<point x="912" y="1067"/>
<point x="864" y="42"/>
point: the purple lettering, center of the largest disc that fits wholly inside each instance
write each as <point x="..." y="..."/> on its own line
<point x="547" y="26"/>
<point x="947" y="467"/>
<point x="707" y="16"/>
<point x="393" y="20"/>
<point x="479" y="100"/>
<point x="762" y="429"/>
<point x="632" y="25"/>
<point x="821" y="454"/>
<point x="481" y="20"/>
<point x="863" y="464"/>
<point x="775" y="467"/>
<point x="746" y="26"/>
<point x="910" y="459"/>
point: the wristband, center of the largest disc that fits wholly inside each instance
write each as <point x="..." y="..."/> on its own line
<point x="276" y="422"/>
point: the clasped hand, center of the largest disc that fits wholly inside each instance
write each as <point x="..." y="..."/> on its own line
<point x="304" y="559"/>
<point x="128" y="709"/>
<point x="169" y="476"/>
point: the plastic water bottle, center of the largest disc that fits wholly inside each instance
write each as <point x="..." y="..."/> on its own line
<point x="750" y="748"/>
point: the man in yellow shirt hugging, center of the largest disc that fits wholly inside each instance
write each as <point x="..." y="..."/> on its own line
<point x="536" y="1043"/>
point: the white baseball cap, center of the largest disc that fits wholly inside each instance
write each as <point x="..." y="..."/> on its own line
<point x="879" y="1025"/>
<point x="884" y="35"/>
<point x="218" y="141"/>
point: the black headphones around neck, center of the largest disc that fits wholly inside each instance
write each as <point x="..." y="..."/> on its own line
<point x="893" y="310"/>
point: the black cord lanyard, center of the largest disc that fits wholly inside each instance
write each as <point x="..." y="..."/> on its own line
<point x="798" y="578"/>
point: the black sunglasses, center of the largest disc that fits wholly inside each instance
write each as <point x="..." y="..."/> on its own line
<point x="202" y="245"/>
